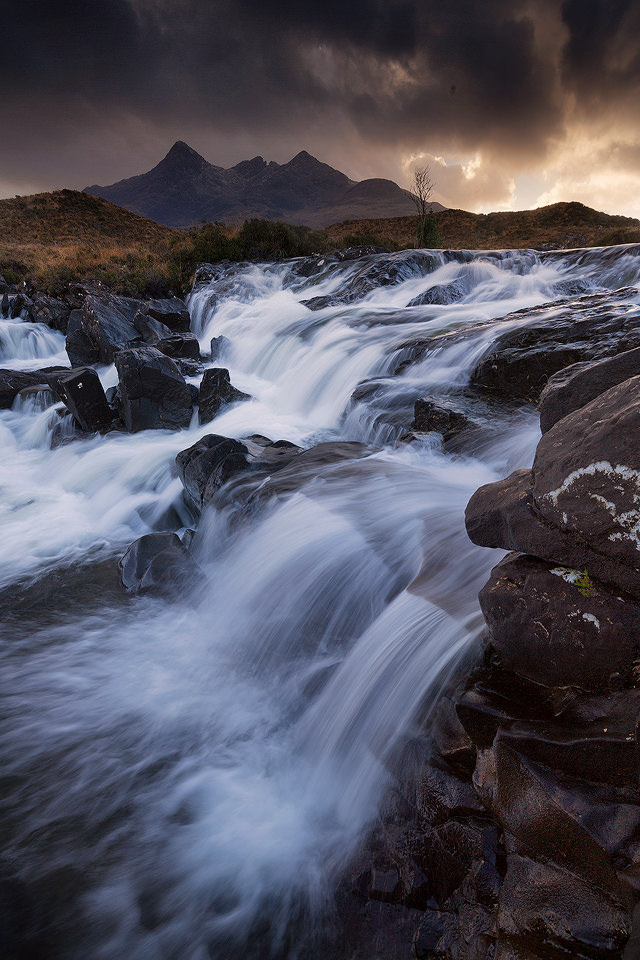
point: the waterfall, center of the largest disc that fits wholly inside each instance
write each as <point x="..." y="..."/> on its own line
<point x="188" y="779"/>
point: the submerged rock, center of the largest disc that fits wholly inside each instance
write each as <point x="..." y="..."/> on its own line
<point x="158" y="563"/>
<point x="439" y="417"/>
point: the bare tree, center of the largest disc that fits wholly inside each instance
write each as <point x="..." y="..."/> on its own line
<point x="421" y="196"/>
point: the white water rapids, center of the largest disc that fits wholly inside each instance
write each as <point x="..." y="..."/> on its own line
<point x="186" y="780"/>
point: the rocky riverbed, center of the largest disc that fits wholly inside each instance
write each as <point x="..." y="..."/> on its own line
<point x="339" y="752"/>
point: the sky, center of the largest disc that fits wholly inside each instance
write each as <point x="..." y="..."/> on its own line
<point x="512" y="103"/>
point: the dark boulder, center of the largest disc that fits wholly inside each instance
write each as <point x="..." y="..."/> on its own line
<point x="80" y="347"/>
<point x="103" y="326"/>
<point x="158" y="563"/>
<point x="219" y="347"/>
<point x="5" y="305"/>
<point x="13" y="381"/>
<point x="170" y="311"/>
<point x="154" y="393"/>
<point x="549" y="338"/>
<point x="50" y="311"/>
<point x="83" y="395"/>
<point x="442" y="293"/>
<point x="557" y="626"/>
<point x="440" y="417"/>
<point x="175" y="345"/>
<point x="578" y="385"/>
<point x="503" y="515"/>
<point x="216" y="391"/>
<point x="586" y="474"/>
<point x="207" y="464"/>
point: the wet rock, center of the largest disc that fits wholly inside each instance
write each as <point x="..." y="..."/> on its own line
<point x="383" y="271"/>
<point x="442" y="293"/>
<point x="176" y="345"/>
<point x="80" y="347"/>
<point x="544" y="902"/>
<point x="83" y="395"/>
<point x="219" y="347"/>
<point x="158" y="563"/>
<point x="558" y="627"/>
<point x="586" y="474"/>
<point x="207" y="464"/>
<point x="154" y="393"/>
<point x="170" y="311"/>
<point x="522" y="361"/>
<point x="5" y="305"/>
<point x="385" y="884"/>
<point x="578" y="385"/>
<point x="439" y="417"/>
<point x="13" y="381"/>
<point x="104" y="327"/>
<point x="54" y="313"/>
<point x="544" y="818"/>
<point x="216" y="391"/>
<point x="504" y="515"/>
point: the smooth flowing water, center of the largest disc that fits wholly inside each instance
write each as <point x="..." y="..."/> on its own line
<point x="188" y="779"/>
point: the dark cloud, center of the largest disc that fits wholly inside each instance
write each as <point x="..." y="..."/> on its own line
<point x="85" y="82"/>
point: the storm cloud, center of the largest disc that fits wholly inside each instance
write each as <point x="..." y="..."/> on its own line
<point x="487" y="91"/>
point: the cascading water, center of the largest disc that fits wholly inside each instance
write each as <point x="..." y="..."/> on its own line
<point x="186" y="780"/>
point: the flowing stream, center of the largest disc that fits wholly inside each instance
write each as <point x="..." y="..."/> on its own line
<point x="187" y="780"/>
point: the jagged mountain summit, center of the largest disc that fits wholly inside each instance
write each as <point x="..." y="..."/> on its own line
<point x="185" y="189"/>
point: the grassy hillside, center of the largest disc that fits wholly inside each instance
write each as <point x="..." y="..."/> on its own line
<point x="57" y="237"/>
<point x="555" y="226"/>
<point x="54" y="238"/>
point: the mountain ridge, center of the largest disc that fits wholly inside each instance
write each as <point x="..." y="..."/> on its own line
<point x="184" y="189"/>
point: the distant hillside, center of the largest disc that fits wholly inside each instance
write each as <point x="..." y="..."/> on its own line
<point x="556" y="226"/>
<point x="184" y="189"/>
<point x="55" y="238"/>
<point x="61" y="236"/>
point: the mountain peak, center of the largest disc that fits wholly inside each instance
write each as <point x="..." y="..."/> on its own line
<point x="182" y="153"/>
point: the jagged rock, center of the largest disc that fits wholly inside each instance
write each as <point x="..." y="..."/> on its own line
<point x="578" y="385"/>
<point x="586" y="474"/>
<point x="154" y="393"/>
<point x="80" y="348"/>
<point x="102" y="328"/>
<point x="175" y="345"/>
<point x="439" y="417"/>
<point x="54" y="313"/>
<point x="216" y="391"/>
<point x="207" y="464"/>
<point x="158" y="563"/>
<point x="219" y="347"/>
<point x="83" y="395"/>
<point x="558" y="627"/>
<point x="13" y="381"/>
<point x="20" y="306"/>
<point x="5" y="305"/>
<point x="522" y="360"/>
<point x="170" y="311"/>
